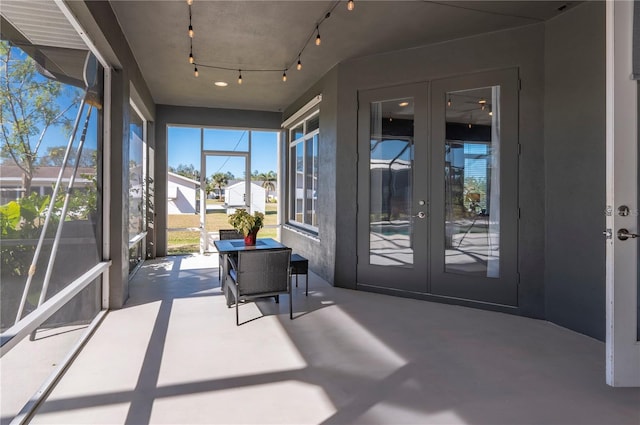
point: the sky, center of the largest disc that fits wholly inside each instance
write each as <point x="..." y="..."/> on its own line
<point x="183" y="143"/>
<point x="184" y="148"/>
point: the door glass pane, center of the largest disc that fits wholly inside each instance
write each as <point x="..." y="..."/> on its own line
<point x="391" y="183"/>
<point x="472" y="182"/>
<point x="224" y="193"/>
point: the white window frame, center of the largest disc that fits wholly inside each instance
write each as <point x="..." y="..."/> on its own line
<point x="310" y="111"/>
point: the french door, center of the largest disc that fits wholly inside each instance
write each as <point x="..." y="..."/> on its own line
<point x="437" y="188"/>
<point x="623" y="203"/>
<point x="224" y="195"/>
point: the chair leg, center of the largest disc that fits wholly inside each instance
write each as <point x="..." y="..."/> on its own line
<point x="296" y="280"/>
<point x="237" y="314"/>
<point x="290" y="304"/>
<point x="306" y="285"/>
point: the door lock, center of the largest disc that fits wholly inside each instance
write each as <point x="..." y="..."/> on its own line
<point x="623" y="211"/>
<point x="624" y="234"/>
<point x="420" y="214"/>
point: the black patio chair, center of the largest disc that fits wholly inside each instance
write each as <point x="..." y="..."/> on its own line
<point x="257" y="274"/>
<point x="224" y="235"/>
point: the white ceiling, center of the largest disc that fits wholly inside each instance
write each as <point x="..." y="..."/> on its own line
<point x="270" y="34"/>
<point x="42" y="23"/>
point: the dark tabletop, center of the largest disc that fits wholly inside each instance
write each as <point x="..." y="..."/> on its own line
<point x="235" y="245"/>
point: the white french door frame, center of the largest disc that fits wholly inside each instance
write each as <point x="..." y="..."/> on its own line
<point x="203" y="190"/>
<point x="622" y="345"/>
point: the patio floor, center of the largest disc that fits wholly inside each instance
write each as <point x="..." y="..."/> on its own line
<point x="174" y="355"/>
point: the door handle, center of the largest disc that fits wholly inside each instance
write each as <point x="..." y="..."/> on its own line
<point x="624" y="234"/>
<point x="420" y="214"/>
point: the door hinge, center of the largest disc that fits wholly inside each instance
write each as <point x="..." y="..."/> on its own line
<point x="609" y="211"/>
<point x="519" y="213"/>
<point x="608" y="234"/>
<point x="519" y="149"/>
<point x="519" y="84"/>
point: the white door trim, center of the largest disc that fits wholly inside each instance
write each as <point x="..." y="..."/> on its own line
<point x="622" y="347"/>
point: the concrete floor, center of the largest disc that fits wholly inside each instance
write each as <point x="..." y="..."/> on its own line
<point x="174" y="355"/>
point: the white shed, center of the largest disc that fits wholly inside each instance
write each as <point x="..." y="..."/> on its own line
<point x="235" y="198"/>
<point x="181" y="194"/>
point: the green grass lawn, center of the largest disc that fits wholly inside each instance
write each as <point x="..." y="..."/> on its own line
<point x="188" y="241"/>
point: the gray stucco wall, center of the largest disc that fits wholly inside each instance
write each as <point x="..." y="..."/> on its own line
<point x="321" y="250"/>
<point x="203" y="117"/>
<point x="575" y="169"/>
<point x="522" y="48"/>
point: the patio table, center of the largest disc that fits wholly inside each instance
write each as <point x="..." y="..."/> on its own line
<point x="229" y="246"/>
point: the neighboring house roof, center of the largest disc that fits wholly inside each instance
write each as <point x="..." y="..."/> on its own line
<point x="242" y="183"/>
<point x="253" y="182"/>
<point x="41" y="175"/>
<point x="182" y="179"/>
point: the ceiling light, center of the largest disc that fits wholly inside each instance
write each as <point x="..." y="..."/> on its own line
<point x="403" y="104"/>
<point x="239" y="76"/>
<point x="350" y="5"/>
<point x="221" y="83"/>
<point x="299" y="66"/>
<point x="449" y="102"/>
<point x="284" y="75"/>
<point x="191" y="31"/>
<point x="189" y="2"/>
<point x="195" y="71"/>
<point x="318" y="41"/>
<point x="191" y="59"/>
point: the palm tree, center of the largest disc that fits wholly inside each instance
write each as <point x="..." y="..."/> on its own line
<point x="268" y="180"/>
<point x="220" y="180"/>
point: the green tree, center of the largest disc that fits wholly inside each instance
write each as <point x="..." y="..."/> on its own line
<point x="188" y="171"/>
<point x="268" y="180"/>
<point x="219" y="181"/>
<point x="29" y="107"/>
<point x="55" y="155"/>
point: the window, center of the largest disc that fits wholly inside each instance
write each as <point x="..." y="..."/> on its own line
<point x="303" y="171"/>
<point x="137" y="173"/>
